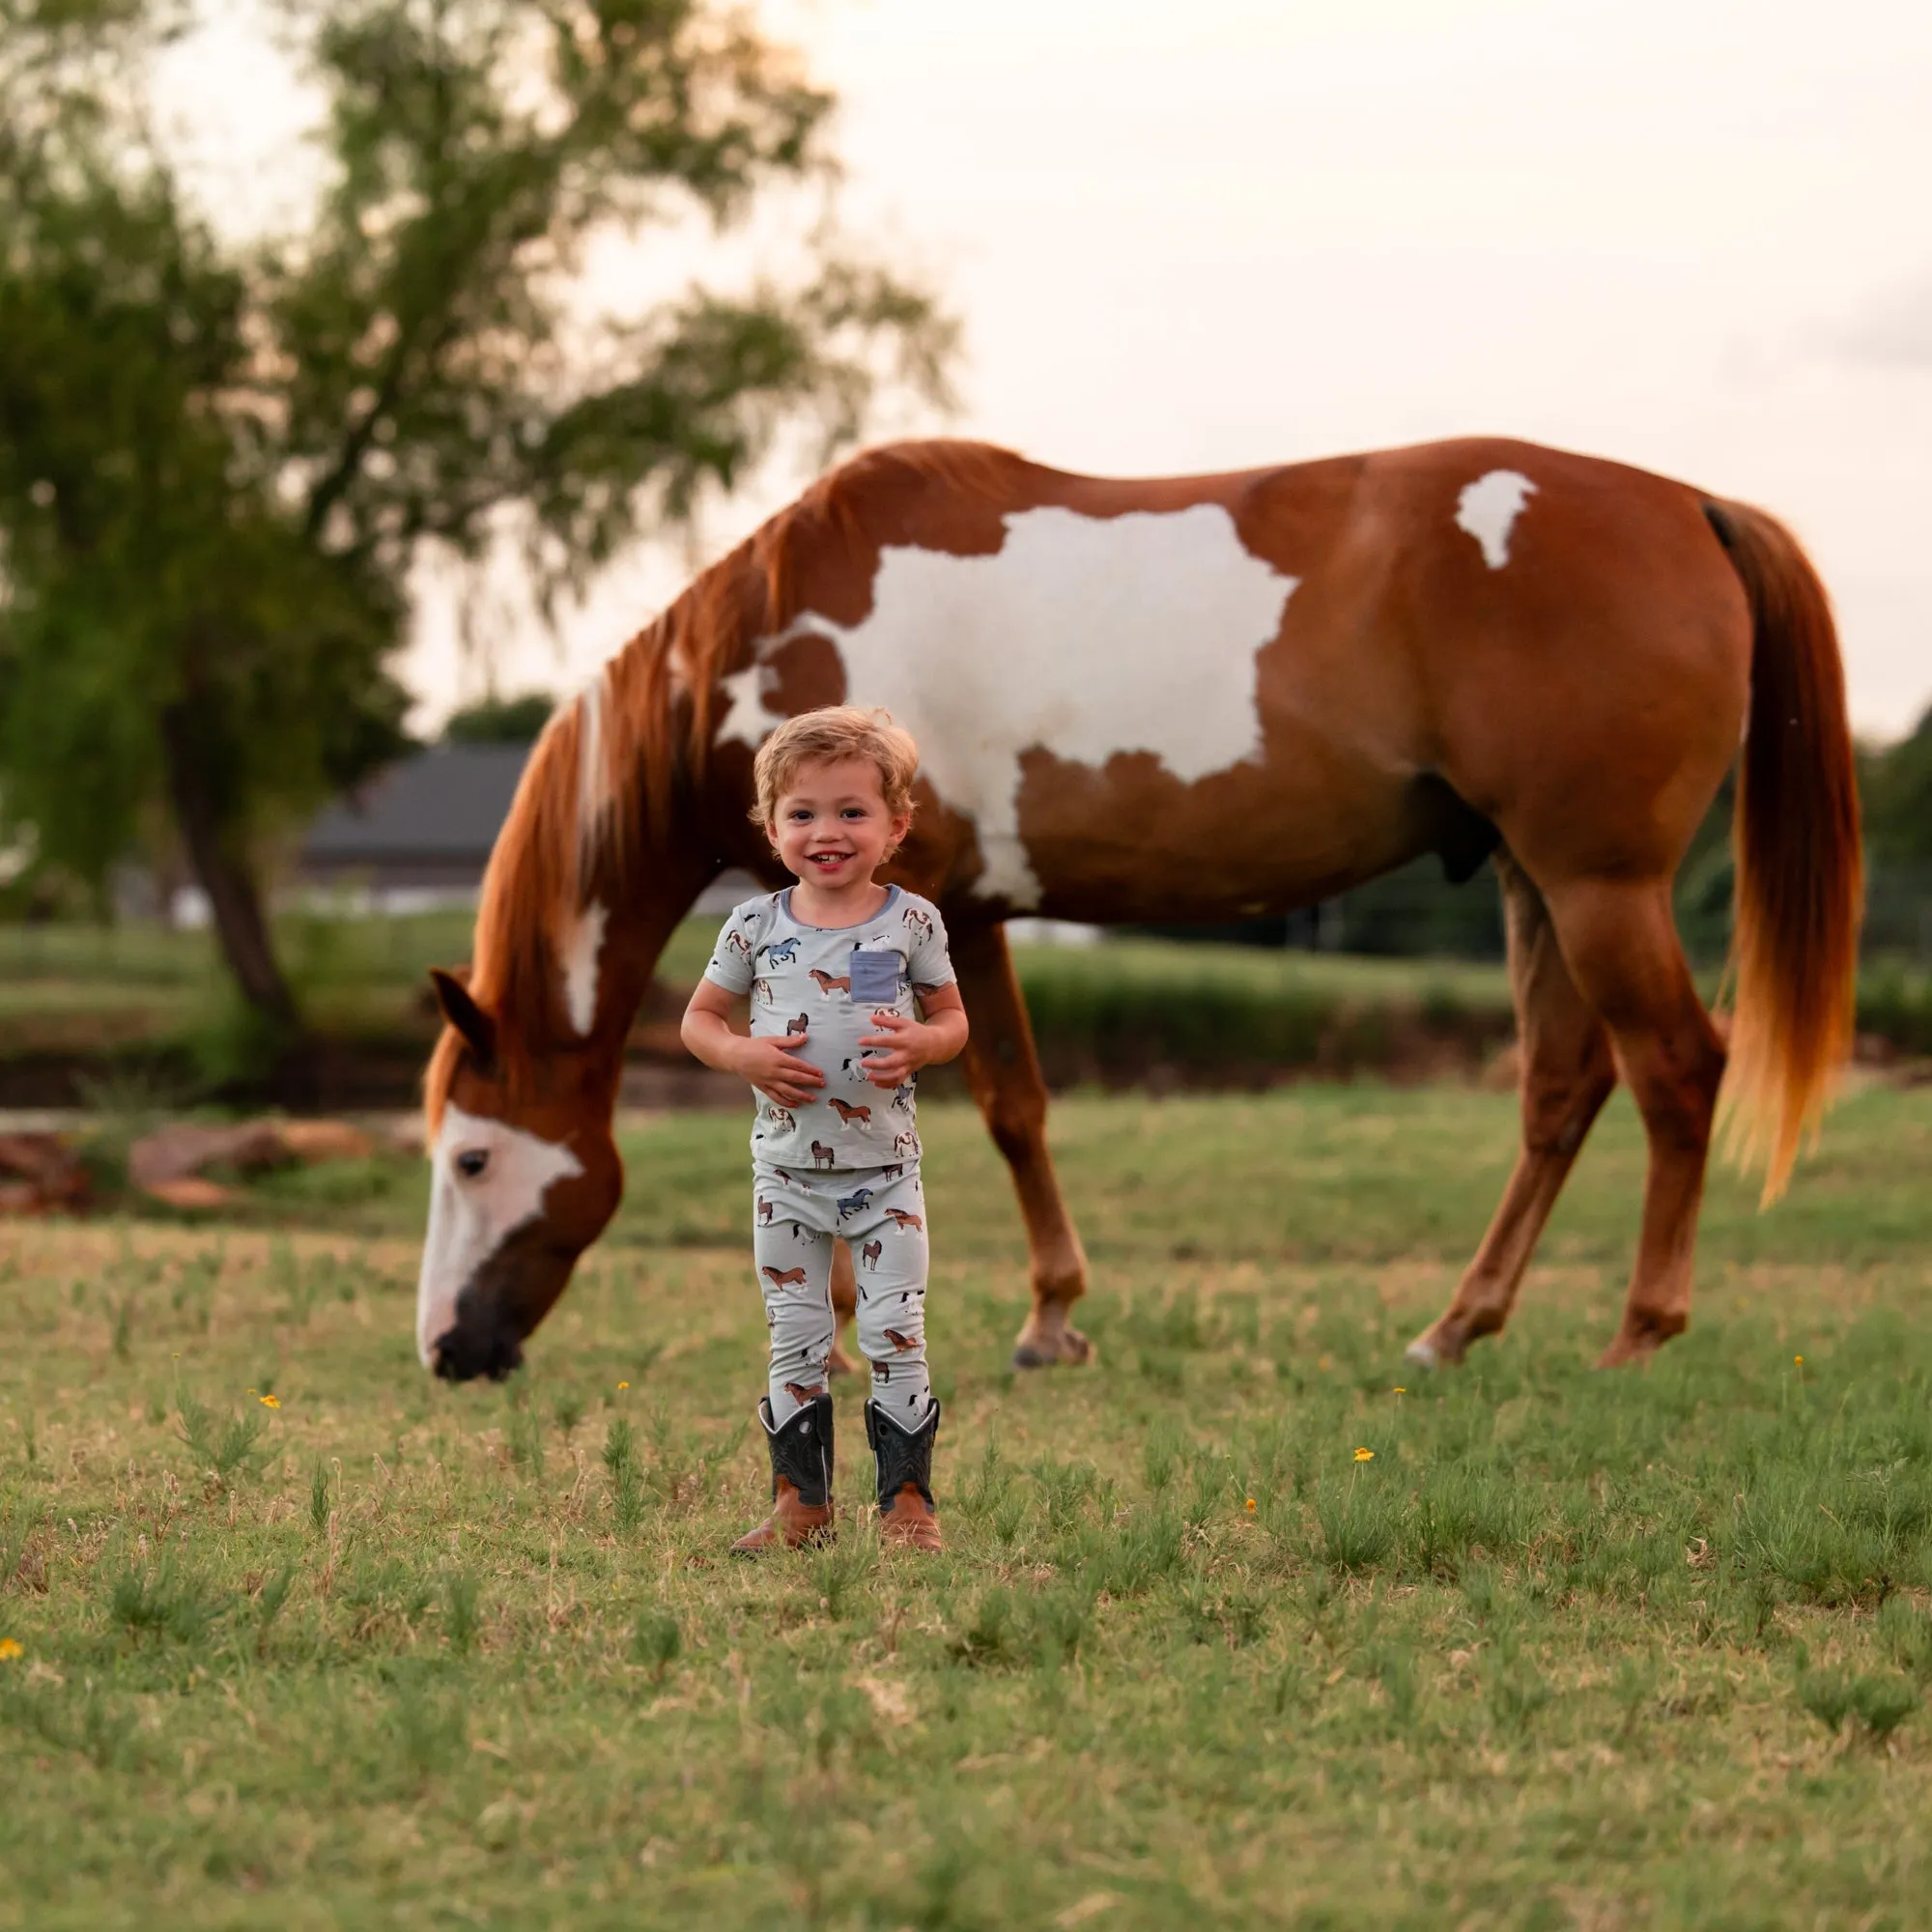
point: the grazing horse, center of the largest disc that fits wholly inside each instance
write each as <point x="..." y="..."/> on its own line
<point x="1198" y="698"/>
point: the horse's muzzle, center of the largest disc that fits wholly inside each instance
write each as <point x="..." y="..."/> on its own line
<point x="500" y="1306"/>
<point x="473" y="1348"/>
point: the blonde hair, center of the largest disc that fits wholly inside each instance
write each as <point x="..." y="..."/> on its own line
<point x="826" y="735"/>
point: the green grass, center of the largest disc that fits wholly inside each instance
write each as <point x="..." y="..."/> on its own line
<point x="1125" y="1011"/>
<point x="1649" y="1650"/>
<point x="82" y="990"/>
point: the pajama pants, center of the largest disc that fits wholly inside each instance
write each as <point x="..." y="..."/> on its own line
<point x="880" y="1213"/>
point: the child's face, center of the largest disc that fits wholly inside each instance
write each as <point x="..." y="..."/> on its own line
<point x="832" y="829"/>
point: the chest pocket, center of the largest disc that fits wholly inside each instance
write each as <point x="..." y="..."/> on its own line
<point x="875" y="977"/>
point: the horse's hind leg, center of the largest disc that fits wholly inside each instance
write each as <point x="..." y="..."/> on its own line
<point x="1003" y="1070"/>
<point x="1567" y="1075"/>
<point x="1621" y="942"/>
<point x="845" y="1306"/>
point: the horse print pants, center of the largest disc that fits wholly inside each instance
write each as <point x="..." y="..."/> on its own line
<point x="880" y="1213"/>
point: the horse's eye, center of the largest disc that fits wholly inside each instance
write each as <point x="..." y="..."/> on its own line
<point x="471" y="1162"/>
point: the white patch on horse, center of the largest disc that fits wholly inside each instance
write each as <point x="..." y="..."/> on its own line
<point x="1086" y="637"/>
<point x="470" y="1218"/>
<point x="748" y="720"/>
<point x="1487" y="509"/>
<point x="593" y="774"/>
<point x="579" y="966"/>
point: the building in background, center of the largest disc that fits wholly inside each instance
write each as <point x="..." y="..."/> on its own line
<point x="416" y="836"/>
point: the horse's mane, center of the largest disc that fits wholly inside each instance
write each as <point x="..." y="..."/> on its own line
<point x="603" y="781"/>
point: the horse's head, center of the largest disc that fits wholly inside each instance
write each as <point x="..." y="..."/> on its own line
<point x="523" y="1176"/>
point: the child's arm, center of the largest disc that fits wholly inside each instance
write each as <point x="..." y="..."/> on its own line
<point x="910" y="1044"/>
<point x="770" y="1064"/>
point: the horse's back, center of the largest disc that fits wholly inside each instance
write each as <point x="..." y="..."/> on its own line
<point x="1258" y="687"/>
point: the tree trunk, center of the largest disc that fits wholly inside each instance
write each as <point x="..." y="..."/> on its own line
<point x="234" y="902"/>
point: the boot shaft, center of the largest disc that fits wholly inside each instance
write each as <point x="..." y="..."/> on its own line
<point x="801" y="1453"/>
<point x="901" y="1456"/>
<point x="801" y="1450"/>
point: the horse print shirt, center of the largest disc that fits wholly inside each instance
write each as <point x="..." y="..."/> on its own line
<point x="826" y="982"/>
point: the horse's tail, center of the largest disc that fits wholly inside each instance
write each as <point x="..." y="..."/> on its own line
<point x="1800" y="876"/>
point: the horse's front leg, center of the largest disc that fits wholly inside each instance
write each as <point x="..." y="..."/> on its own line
<point x="1004" y="1072"/>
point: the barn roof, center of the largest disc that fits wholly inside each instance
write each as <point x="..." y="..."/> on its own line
<point x="446" y="804"/>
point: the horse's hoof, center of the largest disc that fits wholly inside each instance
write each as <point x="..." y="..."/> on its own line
<point x="1052" y="1349"/>
<point x="1639" y="1343"/>
<point x="1627" y="1351"/>
<point x="1441" y="1346"/>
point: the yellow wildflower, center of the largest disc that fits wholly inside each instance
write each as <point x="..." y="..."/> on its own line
<point x="1365" y="1455"/>
<point x="1799" y="1359"/>
<point x="622" y="1386"/>
<point x="1398" y="1390"/>
<point x="1251" y="1503"/>
<point x="9" y="1648"/>
<point x="269" y="1400"/>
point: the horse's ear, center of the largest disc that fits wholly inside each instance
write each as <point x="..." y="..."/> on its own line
<point x="477" y="1027"/>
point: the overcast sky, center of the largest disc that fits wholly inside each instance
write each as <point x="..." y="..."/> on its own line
<point x="1208" y="234"/>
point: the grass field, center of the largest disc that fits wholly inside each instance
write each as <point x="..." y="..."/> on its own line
<point x="138" y="1006"/>
<point x="1650" y="1650"/>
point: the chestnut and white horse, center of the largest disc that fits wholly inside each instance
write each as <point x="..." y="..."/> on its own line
<point x="1198" y="698"/>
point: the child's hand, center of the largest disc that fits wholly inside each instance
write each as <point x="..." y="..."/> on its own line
<point x="773" y="1068"/>
<point x="907" y="1044"/>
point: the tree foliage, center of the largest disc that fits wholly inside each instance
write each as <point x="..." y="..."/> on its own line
<point x="222" y="457"/>
<point x="500" y="721"/>
<point x="1898" y="800"/>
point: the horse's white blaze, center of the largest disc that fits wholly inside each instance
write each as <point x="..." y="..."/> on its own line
<point x="1086" y="637"/>
<point x="469" y="1219"/>
<point x="579" y="966"/>
<point x="1487" y="509"/>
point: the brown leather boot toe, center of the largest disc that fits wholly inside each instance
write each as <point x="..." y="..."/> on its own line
<point x="911" y="1522"/>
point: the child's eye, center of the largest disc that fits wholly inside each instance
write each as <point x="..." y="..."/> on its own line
<point x="853" y="811"/>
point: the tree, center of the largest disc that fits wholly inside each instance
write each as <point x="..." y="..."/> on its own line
<point x="500" y="721"/>
<point x="1898" y="800"/>
<point x="220" y="459"/>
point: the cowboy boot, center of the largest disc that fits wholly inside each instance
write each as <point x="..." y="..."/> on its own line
<point x="801" y="1480"/>
<point x="904" y="1458"/>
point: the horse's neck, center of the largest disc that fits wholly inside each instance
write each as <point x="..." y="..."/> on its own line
<point x="642" y="915"/>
